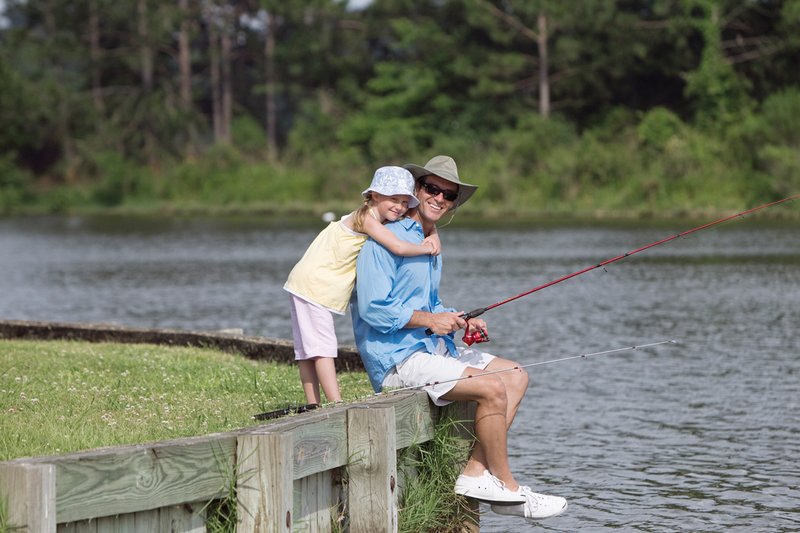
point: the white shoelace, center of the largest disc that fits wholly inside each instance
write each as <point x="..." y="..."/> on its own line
<point x="499" y="482"/>
<point x="533" y="498"/>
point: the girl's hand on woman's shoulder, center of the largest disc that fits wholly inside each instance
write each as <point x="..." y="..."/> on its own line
<point x="434" y="243"/>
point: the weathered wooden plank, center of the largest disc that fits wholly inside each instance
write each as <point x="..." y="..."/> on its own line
<point x="314" y="498"/>
<point x="125" y="523"/>
<point x="86" y="526"/>
<point x="29" y="492"/>
<point x="264" y="483"/>
<point x="320" y="440"/>
<point x="146" y="521"/>
<point x="130" y="479"/>
<point x="184" y="518"/>
<point x="82" y="526"/>
<point x="372" y="479"/>
<point x="414" y="414"/>
<point x="107" y="524"/>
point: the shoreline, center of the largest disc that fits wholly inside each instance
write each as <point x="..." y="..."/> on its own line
<point x="252" y="347"/>
<point x="491" y="215"/>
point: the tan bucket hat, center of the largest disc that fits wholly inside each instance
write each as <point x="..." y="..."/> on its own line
<point x="445" y="167"/>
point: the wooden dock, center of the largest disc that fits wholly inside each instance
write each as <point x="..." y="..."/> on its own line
<point x="286" y="476"/>
<point x="331" y="469"/>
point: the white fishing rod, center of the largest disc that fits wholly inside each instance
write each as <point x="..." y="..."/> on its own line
<point x="529" y="365"/>
<point x="312" y="406"/>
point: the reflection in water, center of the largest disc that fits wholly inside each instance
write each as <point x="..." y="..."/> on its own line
<point x="702" y="436"/>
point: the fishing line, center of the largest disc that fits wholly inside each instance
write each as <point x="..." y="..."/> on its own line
<point x="296" y="409"/>
<point x="538" y="363"/>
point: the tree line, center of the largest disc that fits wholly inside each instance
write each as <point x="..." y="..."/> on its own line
<point x="547" y="104"/>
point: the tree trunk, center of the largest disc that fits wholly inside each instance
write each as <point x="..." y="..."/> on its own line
<point x="544" y="79"/>
<point x="269" y="61"/>
<point x="226" y="113"/>
<point x="95" y="54"/>
<point x="61" y="129"/>
<point x="185" y="68"/>
<point x="216" y="98"/>
<point x="184" y="57"/>
<point x="146" y="73"/>
<point x="145" y="50"/>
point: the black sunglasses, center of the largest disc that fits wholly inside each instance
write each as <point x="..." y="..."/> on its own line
<point x="434" y="190"/>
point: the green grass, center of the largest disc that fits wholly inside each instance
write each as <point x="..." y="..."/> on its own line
<point x="428" y="502"/>
<point x="63" y="396"/>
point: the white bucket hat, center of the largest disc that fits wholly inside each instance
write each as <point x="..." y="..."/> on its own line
<point x="391" y="181"/>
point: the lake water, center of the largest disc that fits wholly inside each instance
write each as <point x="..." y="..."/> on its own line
<point x="699" y="436"/>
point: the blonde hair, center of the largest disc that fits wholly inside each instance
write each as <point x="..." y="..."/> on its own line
<point x="362" y="213"/>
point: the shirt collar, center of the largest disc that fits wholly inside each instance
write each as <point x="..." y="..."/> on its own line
<point x="410" y="224"/>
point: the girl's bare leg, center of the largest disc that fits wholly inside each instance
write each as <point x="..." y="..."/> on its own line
<point x="308" y="377"/>
<point x="326" y="373"/>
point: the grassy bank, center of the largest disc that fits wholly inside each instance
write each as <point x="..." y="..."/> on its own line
<point x="58" y="397"/>
<point x="63" y="396"/>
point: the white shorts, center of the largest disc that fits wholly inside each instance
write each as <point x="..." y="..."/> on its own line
<point x="424" y="367"/>
<point x="312" y="330"/>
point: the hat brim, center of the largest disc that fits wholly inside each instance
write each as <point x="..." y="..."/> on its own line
<point x="465" y="190"/>
<point x="413" y="201"/>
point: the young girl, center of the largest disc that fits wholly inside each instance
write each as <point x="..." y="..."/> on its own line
<point x="322" y="281"/>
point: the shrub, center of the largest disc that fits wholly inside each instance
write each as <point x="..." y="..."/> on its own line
<point x="14" y="184"/>
<point x="248" y="135"/>
<point x="119" y="178"/>
<point x="658" y="127"/>
<point x="780" y="118"/>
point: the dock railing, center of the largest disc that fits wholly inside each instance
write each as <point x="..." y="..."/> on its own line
<point x="333" y="469"/>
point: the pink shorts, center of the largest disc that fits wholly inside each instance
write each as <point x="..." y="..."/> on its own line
<point x="312" y="329"/>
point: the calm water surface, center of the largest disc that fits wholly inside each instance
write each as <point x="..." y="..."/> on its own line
<point x="700" y="436"/>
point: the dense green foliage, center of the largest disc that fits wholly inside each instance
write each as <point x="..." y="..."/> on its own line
<point x="587" y="107"/>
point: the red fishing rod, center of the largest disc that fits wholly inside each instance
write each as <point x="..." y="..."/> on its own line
<point x="479" y="335"/>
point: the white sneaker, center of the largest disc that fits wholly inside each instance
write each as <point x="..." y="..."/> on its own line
<point x="488" y="489"/>
<point x="536" y="506"/>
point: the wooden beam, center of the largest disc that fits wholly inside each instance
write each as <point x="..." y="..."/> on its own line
<point x="29" y="491"/>
<point x="415" y="416"/>
<point x="264" y="483"/>
<point x="132" y="479"/>
<point x="129" y="479"/>
<point x="372" y="472"/>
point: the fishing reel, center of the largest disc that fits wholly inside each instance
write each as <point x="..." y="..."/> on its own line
<point x="471" y="336"/>
<point x="474" y="336"/>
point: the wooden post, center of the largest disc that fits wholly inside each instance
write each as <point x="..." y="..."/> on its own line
<point x="264" y="482"/>
<point x="372" y="472"/>
<point x="29" y="491"/>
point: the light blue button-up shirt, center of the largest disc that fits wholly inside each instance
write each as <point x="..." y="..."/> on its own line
<point x="389" y="288"/>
